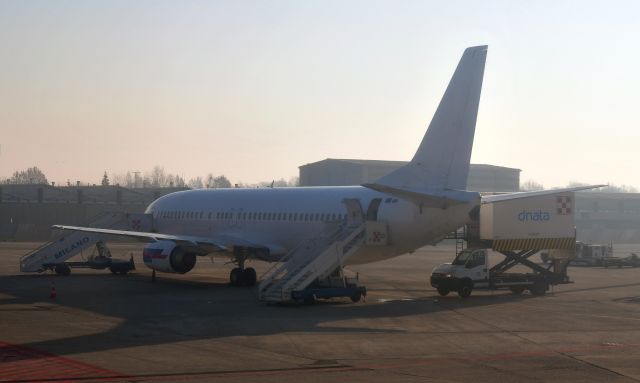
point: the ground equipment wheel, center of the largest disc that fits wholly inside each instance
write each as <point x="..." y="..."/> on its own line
<point x="539" y="288"/>
<point x="356" y="297"/>
<point x="465" y="289"/>
<point x="62" y="269"/>
<point x="517" y="290"/>
<point x="442" y="291"/>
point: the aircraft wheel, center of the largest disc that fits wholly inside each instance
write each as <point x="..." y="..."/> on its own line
<point x="235" y="276"/>
<point x="62" y="269"/>
<point x="249" y="276"/>
<point x="442" y="291"/>
<point x="465" y="290"/>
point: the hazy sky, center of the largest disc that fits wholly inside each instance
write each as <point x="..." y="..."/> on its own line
<point x="255" y="89"/>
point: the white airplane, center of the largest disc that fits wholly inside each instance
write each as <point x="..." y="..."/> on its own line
<point x="421" y="202"/>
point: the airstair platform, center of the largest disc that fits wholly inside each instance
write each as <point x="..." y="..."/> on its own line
<point x="70" y="243"/>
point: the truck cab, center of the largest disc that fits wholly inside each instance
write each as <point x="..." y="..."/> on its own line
<point x="469" y="269"/>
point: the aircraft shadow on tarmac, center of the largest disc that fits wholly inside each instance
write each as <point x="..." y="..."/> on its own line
<point x="173" y="310"/>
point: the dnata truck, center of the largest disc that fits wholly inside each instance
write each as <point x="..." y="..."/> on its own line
<point x="470" y="270"/>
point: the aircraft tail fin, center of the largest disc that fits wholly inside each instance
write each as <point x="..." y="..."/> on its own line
<point x="442" y="160"/>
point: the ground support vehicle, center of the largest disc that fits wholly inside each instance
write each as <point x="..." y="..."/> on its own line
<point x="116" y="266"/>
<point x="631" y="261"/>
<point x="470" y="271"/>
<point x="100" y="261"/>
<point x="349" y="289"/>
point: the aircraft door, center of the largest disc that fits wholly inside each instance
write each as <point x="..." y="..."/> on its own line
<point x="372" y="210"/>
<point x="355" y="215"/>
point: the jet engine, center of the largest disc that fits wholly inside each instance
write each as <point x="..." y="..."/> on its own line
<point x="167" y="257"/>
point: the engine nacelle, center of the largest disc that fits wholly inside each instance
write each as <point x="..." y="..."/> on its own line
<point x="167" y="257"/>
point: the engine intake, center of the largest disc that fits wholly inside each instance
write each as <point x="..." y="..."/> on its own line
<point x="167" y="257"/>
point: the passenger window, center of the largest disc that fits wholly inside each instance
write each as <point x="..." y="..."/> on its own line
<point x="306" y="216"/>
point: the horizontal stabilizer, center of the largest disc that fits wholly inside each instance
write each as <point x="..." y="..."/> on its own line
<point x="439" y="199"/>
<point x="512" y="196"/>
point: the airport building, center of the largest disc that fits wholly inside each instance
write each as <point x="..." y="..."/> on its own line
<point x="346" y="172"/>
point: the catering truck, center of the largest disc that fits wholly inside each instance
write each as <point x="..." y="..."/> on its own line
<point x="470" y="270"/>
<point x="517" y="229"/>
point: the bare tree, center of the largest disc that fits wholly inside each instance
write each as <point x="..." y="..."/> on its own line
<point x="219" y="182"/>
<point x="195" y="183"/>
<point x="531" y="185"/>
<point x="157" y="177"/>
<point x="29" y="176"/>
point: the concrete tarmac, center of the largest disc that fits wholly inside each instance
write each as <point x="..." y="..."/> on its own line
<point x="195" y="327"/>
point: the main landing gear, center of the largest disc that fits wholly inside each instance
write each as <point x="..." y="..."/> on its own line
<point x="241" y="276"/>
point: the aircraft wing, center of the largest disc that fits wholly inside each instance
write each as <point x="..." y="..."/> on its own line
<point x="207" y="245"/>
<point x="512" y="196"/>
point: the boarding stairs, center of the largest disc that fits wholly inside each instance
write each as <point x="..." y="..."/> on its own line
<point x="70" y="243"/>
<point x="315" y="260"/>
<point x="317" y="263"/>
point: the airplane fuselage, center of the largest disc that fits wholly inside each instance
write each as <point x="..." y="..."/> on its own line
<point x="281" y="218"/>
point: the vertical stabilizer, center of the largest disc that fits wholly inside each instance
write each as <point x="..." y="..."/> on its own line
<point x="442" y="160"/>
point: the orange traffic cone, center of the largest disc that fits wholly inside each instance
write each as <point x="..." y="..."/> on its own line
<point x="53" y="291"/>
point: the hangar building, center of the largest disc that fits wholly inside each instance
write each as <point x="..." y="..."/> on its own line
<point x="345" y="172"/>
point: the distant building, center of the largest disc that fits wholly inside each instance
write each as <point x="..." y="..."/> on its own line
<point x="344" y="172"/>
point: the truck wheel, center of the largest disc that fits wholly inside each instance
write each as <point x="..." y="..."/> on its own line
<point x="465" y="289"/>
<point x="62" y="269"/>
<point x="442" y="291"/>
<point x="517" y="290"/>
<point x="356" y="297"/>
<point x="539" y="288"/>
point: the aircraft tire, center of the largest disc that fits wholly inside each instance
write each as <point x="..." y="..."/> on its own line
<point x="249" y="277"/>
<point x="235" y="277"/>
